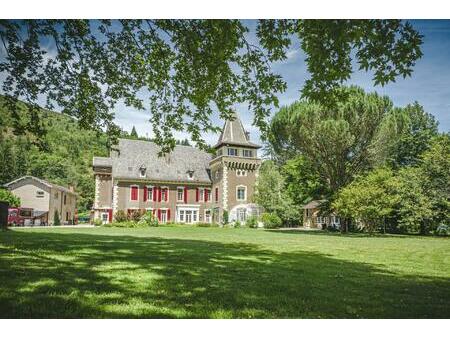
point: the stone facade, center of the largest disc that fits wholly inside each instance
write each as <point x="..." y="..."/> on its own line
<point x="199" y="186"/>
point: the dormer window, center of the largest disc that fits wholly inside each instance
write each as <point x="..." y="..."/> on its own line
<point x="190" y="174"/>
<point x="232" y="152"/>
<point x="248" y="153"/>
<point x="142" y="171"/>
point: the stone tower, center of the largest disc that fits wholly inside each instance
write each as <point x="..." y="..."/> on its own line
<point x="234" y="170"/>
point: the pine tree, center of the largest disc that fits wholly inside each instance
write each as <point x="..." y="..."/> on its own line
<point x="134" y="134"/>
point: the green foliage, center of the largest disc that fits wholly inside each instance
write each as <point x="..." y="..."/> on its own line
<point x="416" y="137"/>
<point x="56" y="219"/>
<point x="369" y="199"/>
<point x="270" y="193"/>
<point x="188" y="67"/>
<point x="98" y="222"/>
<point x="8" y="196"/>
<point x="120" y="216"/>
<point x="134" y="215"/>
<point x="148" y="219"/>
<point x="225" y="217"/>
<point x="442" y="230"/>
<point x="134" y="134"/>
<point x="252" y="222"/>
<point x="206" y="225"/>
<point x="414" y="209"/>
<point x="66" y="160"/>
<point x="271" y="220"/>
<point x="339" y="143"/>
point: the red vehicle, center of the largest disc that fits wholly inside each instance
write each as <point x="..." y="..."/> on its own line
<point x="20" y="216"/>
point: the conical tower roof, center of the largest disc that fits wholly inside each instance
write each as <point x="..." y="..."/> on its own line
<point x="233" y="133"/>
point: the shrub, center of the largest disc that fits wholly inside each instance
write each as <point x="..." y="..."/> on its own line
<point x="135" y="216"/>
<point x="148" y="219"/>
<point x="56" y="220"/>
<point x="252" y="222"/>
<point x="120" y="216"/>
<point x="237" y="224"/>
<point x="225" y="217"/>
<point x="442" y="230"/>
<point x="98" y="222"/>
<point x="270" y="220"/>
<point x="206" y="225"/>
<point x="9" y="197"/>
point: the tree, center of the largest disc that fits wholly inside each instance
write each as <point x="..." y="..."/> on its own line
<point x="435" y="167"/>
<point x="413" y="211"/>
<point x="303" y="184"/>
<point x="369" y="199"/>
<point x="56" y="220"/>
<point x="186" y="68"/>
<point x="7" y="160"/>
<point x="270" y="193"/>
<point x="7" y="196"/>
<point x="416" y="137"/>
<point x="342" y="142"/>
<point x="134" y="134"/>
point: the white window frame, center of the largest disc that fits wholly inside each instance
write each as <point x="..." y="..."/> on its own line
<point x="182" y="194"/>
<point x="210" y="215"/>
<point x="40" y="194"/>
<point x="166" y="214"/>
<point x="237" y="193"/>
<point x="248" y="151"/>
<point x="150" y="188"/>
<point x="201" y="194"/>
<point x="131" y="190"/>
<point x="209" y="194"/>
<point x="167" y="192"/>
<point x="235" y="150"/>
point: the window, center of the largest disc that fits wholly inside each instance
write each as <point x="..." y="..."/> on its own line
<point x="134" y="192"/>
<point x="247" y="153"/>
<point x="219" y="152"/>
<point x="207" y="216"/>
<point x="39" y="194"/>
<point x="242" y="214"/>
<point x="149" y="193"/>
<point x="207" y="195"/>
<point x="194" y="215"/>
<point x="241" y="193"/>
<point x="164" y="194"/>
<point x="65" y="198"/>
<point x="217" y="174"/>
<point x="190" y="174"/>
<point x="180" y="194"/>
<point x="319" y="220"/>
<point x="163" y="217"/>
<point x="232" y="152"/>
<point x="241" y="172"/>
<point x="201" y="194"/>
<point x="142" y="171"/>
<point x="217" y="195"/>
<point x="181" y="215"/>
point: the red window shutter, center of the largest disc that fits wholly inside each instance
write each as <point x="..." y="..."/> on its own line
<point x="159" y="194"/>
<point x="145" y="194"/>
<point x="159" y="215"/>
<point x="206" y="195"/>
<point x="110" y="215"/>
<point x="155" y="191"/>
<point x="168" y="214"/>
<point x="196" y="194"/>
<point x="134" y="193"/>
<point x="167" y="194"/>
<point x="185" y="194"/>
<point x="217" y="194"/>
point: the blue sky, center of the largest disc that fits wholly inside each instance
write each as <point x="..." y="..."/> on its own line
<point x="429" y="83"/>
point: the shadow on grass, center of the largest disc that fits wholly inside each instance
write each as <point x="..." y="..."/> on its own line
<point x="54" y="275"/>
<point x="348" y="234"/>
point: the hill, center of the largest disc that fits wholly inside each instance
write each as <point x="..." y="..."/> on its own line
<point x="66" y="158"/>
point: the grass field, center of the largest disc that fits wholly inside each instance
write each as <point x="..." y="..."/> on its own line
<point x="188" y="272"/>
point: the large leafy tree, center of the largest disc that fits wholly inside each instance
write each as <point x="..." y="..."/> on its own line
<point x="185" y="69"/>
<point x="339" y="142"/>
<point x="369" y="199"/>
<point x="271" y="193"/>
<point x="9" y="197"/>
<point x="416" y="137"/>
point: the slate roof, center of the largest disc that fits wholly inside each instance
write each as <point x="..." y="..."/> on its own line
<point x="131" y="155"/>
<point x="233" y="133"/>
<point x="44" y="182"/>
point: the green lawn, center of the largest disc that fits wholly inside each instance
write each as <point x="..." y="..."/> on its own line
<point x="185" y="272"/>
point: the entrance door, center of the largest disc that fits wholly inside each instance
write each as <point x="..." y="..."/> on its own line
<point x="189" y="216"/>
<point x="104" y="217"/>
<point x="208" y="216"/>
